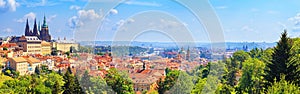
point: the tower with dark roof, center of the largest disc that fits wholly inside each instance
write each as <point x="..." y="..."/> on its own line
<point x="27" y="29"/>
<point x="35" y="29"/>
<point x="44" y="33"/>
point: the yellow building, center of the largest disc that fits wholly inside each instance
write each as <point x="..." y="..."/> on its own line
<point x="33" y="63"/>
<point x="46" y="48"/>
<point x="64" y="45"/>
<point x="18" y="64"/>
<point x="30" y="44"/>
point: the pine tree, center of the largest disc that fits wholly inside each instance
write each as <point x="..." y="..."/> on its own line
<point x="37" y="70"/>
<point x="56" y="89"/>
<point x="281" y="59"/>
<point x="86" y="81"/>
<point x="69" y="79"/>
<point x="69" y="70"/>
<point x="77" y="87"/>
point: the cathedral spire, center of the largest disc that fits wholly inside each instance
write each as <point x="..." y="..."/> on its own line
<point x="188" y="54"/>
<point x="27" y="30"/>
<point x="45" y="22"/>
<point x="35" y="29"/>
<point x="39" y="26"/>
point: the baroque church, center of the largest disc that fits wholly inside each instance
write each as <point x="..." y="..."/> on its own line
<point x="42" y="32"/>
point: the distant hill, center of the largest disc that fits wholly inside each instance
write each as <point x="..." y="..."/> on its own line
<point x="228" y="45"/>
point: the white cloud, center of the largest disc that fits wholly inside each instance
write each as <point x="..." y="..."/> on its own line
<point x="89" y="14"/>
<point x="122" y="22"/>
<point x="75" y="7"/>
<point x="7" y="30"/>
<point x="50" y="18"/>
<point x="30" y="16"/>
<point x="142" y="3"/>
<point x="2" y="3"/>
<point x="83" y="16"/>
<point x="296" y="22"/>
<point x="295" y="19"/>
<point x="221" y="7"/>
<point x="169" y="23"/>
<point x="73" y="22"/>
<point x="8" y="5"/>
<point x="247" y="29"/>
<point x="113" y="11"/>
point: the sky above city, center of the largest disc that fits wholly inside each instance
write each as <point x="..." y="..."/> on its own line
<point x="240" y="20"/>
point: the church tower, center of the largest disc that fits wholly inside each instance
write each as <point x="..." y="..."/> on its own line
<point x="188" y="54"/>
<point x="44" y="33"/>
<point x="35" y="29"/>
<point x="27" y="29"/>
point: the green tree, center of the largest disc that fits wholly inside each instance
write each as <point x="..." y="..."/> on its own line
<point x="240" y="56"/>
<point x="169" y="81"/>
<point x="295" y="64"/>
<point x="41" y="89"/>
<point x="119" y="82"/>
<point x="78" y="88"/>
<point x="283" y="87"/>
<point x="267" y="55"/>
<point x="86" y="81"/>
<point x="256" y="53"/>
<point x="183" y="84"/>
<point x="4" y="48"/>
<point x="56" y="89"/>
<point x="282" y="62"/>
<point x="100" y="86"/>
<point x="160" y="87"/>
<point x="54" y="81"/>
<point x="70" y="85"/>
<point x="231" y="70"/>
<point x="54" y="51"/>
<point x="37" y="70"/>
<point x="199" y="86"/>
<point x="251" y="80"/>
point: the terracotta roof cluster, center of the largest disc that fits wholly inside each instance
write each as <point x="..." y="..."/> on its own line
<point x="8" y="45"/>
<point x="32" y="60"/>
<point x="19" y="59"/>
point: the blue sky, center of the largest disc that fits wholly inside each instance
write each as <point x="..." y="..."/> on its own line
<point x="241" y="20"/>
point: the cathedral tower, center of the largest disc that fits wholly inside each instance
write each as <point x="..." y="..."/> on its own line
<point x="27" y="29"/>
<point x="44" y="33"/>
<point x="35" y="29"/>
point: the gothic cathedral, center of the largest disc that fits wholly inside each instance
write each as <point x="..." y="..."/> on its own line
<point x="42" y="32"/>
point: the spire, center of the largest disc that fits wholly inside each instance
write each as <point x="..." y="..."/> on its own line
<point x="27" y="32"/>
<point x="39" y="26"/>
<point x="35" y="29"/>
<point x="45" y="22"/>
<point x="188" y="53"/>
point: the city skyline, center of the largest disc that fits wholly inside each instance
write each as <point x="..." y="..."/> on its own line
<point x="258" y="21"/>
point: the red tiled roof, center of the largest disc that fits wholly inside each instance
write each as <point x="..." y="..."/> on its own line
<point x="8" y="45"/>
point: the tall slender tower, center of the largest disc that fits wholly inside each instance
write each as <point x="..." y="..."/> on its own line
<point x="27" y="29"/>
<point x="35" y="29"/>
<point x="39" y="26"/>
<point x="188" y="54"/>
<point x="44" y="33"/>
